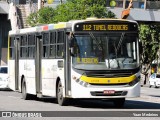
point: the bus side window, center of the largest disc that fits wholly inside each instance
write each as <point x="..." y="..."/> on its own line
<point x="23" y="47"/>
<point x="60" y="44"/>
<point x="45" y="45"/>
<point x="11" y="48"/>
<point x="52" y="51"/>
<point x="31" y="46"/>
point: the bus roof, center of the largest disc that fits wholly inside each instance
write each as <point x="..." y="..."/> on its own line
<point x="60" y="25"/>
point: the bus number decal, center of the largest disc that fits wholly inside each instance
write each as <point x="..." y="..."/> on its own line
<point x="87" y="27"/>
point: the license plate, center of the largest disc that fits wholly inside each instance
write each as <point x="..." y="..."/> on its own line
<point x="108" y="91"/>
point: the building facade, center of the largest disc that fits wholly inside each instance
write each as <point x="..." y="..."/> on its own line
<point x="142" y="10"/>
<point x="5" y="26"/>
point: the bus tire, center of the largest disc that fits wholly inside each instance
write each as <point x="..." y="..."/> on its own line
<point x="25" y="95"/>
<point x="119" y="102"/>
<point x="60" y="98"/>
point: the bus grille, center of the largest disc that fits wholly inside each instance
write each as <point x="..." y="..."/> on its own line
<point x="109" y="75"/>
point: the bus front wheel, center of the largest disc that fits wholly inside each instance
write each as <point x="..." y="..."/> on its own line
<point x="25" y="95"/>
<point x="119" y="102"/>
<point x="60" y="98"/>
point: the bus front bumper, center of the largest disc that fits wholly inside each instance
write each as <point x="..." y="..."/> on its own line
<point x="79" y="91"/>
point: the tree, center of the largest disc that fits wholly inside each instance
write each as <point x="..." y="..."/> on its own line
<point x="44" y="16"/>
<point x="81" y="9"/>
<point x="71" y="10"/>
<point x="32" y="19"/>
<point x="150" y="38"/>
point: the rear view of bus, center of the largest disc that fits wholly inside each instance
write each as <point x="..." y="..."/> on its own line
<point x="105" y="60"/>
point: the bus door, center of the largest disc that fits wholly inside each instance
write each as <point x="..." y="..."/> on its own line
<point x="38" y="57"/>
<point x="17" y="49"/>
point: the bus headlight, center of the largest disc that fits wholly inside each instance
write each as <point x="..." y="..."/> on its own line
<point x="134" y="82"/>
<point x="83" y="83"/>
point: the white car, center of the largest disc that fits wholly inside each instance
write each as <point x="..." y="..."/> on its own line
<point x="3" y="77"/>
<point x="154" y="80"/>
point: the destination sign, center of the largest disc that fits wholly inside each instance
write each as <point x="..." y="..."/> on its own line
<point x="105" y="27"/>
<point x="87" y="60"/>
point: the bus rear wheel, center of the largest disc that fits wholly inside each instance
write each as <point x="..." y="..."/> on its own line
<point x="60" y="98"/>
<point x="119" y="102"/>
<point x="25" y="95"/>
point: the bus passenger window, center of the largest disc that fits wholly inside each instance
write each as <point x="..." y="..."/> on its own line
<point x="59" y="50"/>
<point x="46" y="38"/>
<point x="45" y="51"/>
<point x="31" y="52"/>
<point x="45" y="45"/>
<point x="60" y="37"/>
<point x="53" y="38"/>
<point x="60" y="44"/>
<point x="24" y="41"/>
<point x="11" y="48"/>
<point x="31" y="45"/>
<point x="23" y="52"/>
<point x="52" y="51"/>
<point x="31" y="40"/>
<point x="11" y="53"/>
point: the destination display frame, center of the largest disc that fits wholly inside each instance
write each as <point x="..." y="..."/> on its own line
<point x="105" y="26"/>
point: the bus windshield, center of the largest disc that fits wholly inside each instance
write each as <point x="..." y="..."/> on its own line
<point x="94" y="51"/>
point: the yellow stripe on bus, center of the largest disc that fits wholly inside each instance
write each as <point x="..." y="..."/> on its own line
<point x="59" y="25"/>
<point x="108" y="80"/>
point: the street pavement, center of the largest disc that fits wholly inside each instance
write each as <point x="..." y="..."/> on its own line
<point x="149" y="101"/>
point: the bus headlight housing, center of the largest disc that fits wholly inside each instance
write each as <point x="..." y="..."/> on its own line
<point x="132" y="83"/>
<point x="83" y="83"/>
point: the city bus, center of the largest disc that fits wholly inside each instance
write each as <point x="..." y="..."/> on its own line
<point x="80" y="59"/>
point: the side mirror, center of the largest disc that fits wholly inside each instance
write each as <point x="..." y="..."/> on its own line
<point x="71" y="45"/>
<point x="72" y="51"/>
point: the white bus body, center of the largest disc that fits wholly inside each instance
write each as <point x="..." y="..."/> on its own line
<point x="41" y="59"/>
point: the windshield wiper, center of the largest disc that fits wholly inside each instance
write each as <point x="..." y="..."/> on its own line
<point x="119" y="44"/>
<point x="94" y="38"/>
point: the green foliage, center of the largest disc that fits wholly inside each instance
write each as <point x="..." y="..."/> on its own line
<point x="150" y="38"/>
<point x="81" y="9"/>
<point x="89" y="2"/>
<point x="43" y="16"/>
<point x="46" y="15"/>
<point x="32" y="19"/>
<point x="71" y="10"/>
